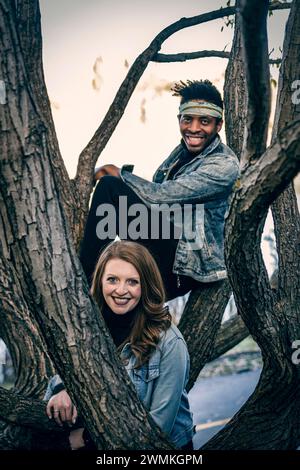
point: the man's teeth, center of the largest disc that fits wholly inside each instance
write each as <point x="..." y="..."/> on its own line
<point x="194" y="138"/>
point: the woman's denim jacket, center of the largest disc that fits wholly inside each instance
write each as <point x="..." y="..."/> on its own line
<point x="201" y="186"/>
<point x="160" y="385"/>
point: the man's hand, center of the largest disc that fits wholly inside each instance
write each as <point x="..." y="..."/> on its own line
<point x="110" y="170"/>
<point x="61" y="408"/>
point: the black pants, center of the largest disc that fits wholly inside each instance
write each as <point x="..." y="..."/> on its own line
<point x="108" y="191"/>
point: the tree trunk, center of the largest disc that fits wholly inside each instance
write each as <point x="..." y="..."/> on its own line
<point x="270" y="418"/>
<point x="39" y="248"/>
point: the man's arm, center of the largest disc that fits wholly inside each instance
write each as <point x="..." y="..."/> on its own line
<point x="212" y="180"/>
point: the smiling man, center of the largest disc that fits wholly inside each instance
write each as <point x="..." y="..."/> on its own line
<point x="197" y="178"/>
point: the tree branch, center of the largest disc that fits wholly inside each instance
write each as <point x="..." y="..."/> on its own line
<point x="285" y="208"/>
<point x="255" y="51"/>
<point x="260" y="185"/>
<point x="200" y="323"/>
<point x="28" y="412"/>
<point x="235" y="92"/>
<point x="231" y="333"/>
<point x="184" y="56"/>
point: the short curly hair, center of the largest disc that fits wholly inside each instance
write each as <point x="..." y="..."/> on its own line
<point x="197" y="90"/>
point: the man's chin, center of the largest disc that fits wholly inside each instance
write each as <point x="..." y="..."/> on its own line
<point x="195" y="150"/>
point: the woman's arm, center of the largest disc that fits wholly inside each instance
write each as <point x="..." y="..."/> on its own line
<point x="170" y="384"/>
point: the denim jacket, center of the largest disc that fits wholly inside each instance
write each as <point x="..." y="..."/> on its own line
<point x="204" y="184"/>
<point x="160" y="385"/>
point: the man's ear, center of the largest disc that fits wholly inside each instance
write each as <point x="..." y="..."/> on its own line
<point x="219" y="125"/>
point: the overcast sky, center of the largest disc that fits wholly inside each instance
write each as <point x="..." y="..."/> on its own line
<point x="76" y="33"/>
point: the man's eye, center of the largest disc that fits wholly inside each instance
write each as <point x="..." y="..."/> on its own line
<point x="204" y="121"/>
<point x="186" y="119"/>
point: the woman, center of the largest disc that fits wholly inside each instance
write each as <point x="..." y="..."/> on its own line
<point x="128" y="288"/>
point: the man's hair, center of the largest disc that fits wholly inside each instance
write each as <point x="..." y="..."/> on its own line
<point x="197" y="90"/>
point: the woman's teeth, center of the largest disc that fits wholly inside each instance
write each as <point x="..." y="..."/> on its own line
<point x="120" y="301"/>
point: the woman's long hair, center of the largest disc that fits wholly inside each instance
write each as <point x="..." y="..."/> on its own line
<point x="152" y="317"/>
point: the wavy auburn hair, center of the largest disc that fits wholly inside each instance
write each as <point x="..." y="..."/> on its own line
<point x="152" y="317"/>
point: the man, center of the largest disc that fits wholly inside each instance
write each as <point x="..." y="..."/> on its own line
<point x="197" y="178"/>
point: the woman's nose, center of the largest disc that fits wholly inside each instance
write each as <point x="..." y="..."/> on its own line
<point x="121" y="288"/>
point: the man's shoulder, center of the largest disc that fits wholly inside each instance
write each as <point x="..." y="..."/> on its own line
<point x="224" y="149"/>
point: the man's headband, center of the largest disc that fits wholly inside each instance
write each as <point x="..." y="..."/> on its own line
<point x="201" y="108"/>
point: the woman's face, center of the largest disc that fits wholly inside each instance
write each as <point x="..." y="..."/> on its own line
<point x="121" y="286"/>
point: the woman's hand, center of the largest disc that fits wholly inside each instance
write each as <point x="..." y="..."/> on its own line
<point x="61" y="408"/>
<point x="76" y="439"/>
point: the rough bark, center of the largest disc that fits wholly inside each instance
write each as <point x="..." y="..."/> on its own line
<point x="255" y="55"/>
<point x="40" y="247"/>
<point x="285" y="209"/>
<point x="28" y="23"/>
<point x="270" y="418"/>
<point x="235" y="92"/>
<point x="231" y="333"/>
<point x="38" y="240"/>
<point x="201" y="321"/>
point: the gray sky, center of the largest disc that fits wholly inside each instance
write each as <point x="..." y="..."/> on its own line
<point x="76" y="33"/>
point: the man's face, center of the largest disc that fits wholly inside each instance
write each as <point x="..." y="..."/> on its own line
<point x="198" y="131"/>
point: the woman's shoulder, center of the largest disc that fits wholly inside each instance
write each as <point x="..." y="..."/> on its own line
<point x="171" y="334"/>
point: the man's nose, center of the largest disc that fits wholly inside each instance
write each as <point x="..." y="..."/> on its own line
<point x="195" y="125"/>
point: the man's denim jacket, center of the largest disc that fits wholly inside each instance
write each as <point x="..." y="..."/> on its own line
<point x="160" y="385"/>
<point x="202" y="185"/>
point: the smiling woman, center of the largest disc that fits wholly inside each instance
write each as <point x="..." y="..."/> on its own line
<point x="121" y="286"/>
<point x="129" y="291"/>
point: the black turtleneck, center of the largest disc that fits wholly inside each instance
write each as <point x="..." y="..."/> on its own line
<point x="118" y="325"/>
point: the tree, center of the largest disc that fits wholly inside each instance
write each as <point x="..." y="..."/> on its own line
<point x="48" y="320"/>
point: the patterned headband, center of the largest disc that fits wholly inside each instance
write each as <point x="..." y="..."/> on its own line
<point x="201" y="108"/>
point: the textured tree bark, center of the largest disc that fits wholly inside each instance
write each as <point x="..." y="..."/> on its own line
<point x="231" y="333"/>
<point x="29" y="30"/>
<point x="43" y="293"/>
<point x="255" y="52"/>
<point x="201" y="321"/>
<point x="235" y="92"/>
<point x="285" y="208"/>
<point x="270" y="418"/>
<point x="40" y="249"/>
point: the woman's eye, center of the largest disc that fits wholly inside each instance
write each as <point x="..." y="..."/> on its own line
<point x="112" y="279"/>
<point x="132" y="282"/>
